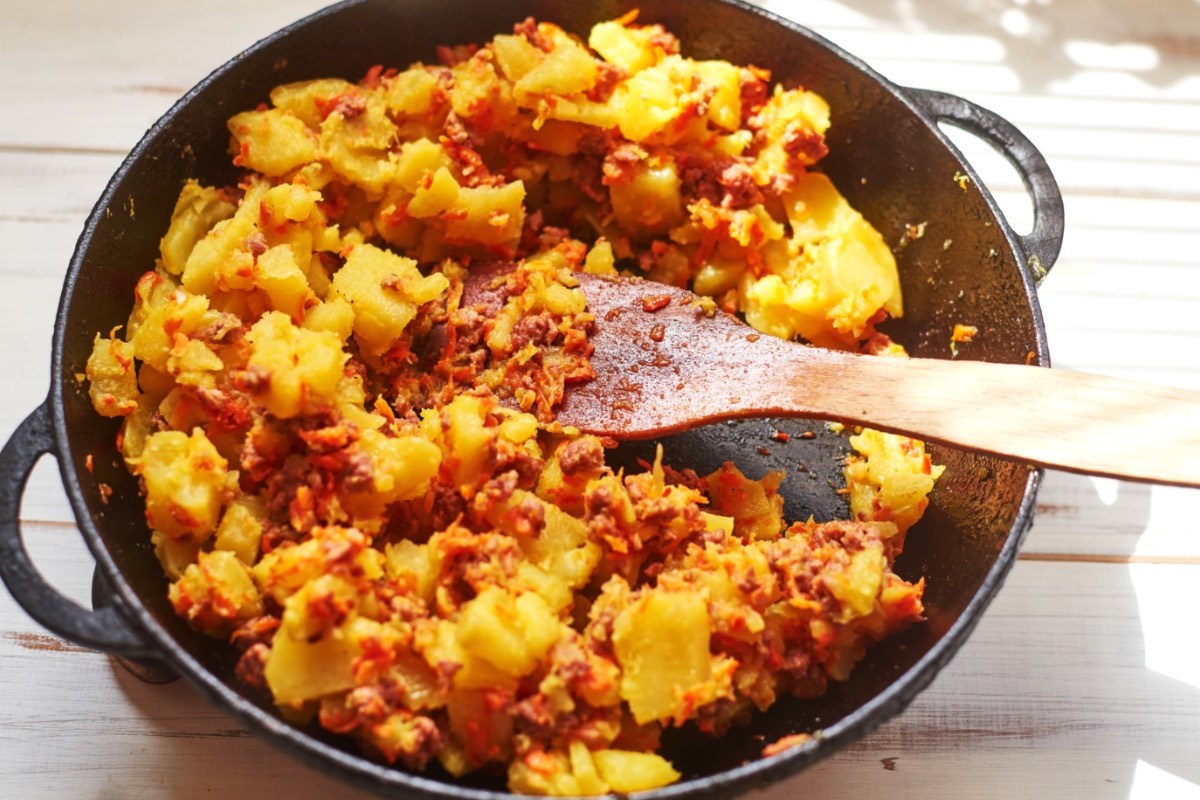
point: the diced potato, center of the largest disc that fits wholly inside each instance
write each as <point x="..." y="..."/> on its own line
<point x="198" y="209"/>
<point x="440" y="648"/>
<point x="357" y="146"/>
<point x="857" y="586"/>
<point x="184" y="477"/>
<point x="478" y="94"/>
<point x="241" y="529"/>
<point x="401" y="467"/>
<point x="628" y="48"/>
<point x="280" y="277"/>
<point x="718" y="275"/>
<point x="385" y="291"/>
<point x="284" y="570"/>
<point x="562" y="547"/>
<point x="418" y="159"/>
<point x="483" y="729"/>
<point x="193" y="363"/>
<point x="725" y="106"/>
<point x="437" y="197"/>
<point x="164" y="310"/>
<point x="843" y="277"/>
<point x="510" y="634"/>
<point x="468" y="438"/>
<point x="412" y="565"/>
<point x="216" y="594"/>
<point x="174" y="555"/>
<point x="890" y="478"/>
<point x="319" y="606"/>
<point x="298" y="670"/>
<point x="113" y="384"/>
<point x="661" y="641"/>
<point x="584" y="769"/>
<point x="490" y="215"/>
<point x="303" y="366"/>
<point x="336" y="316"/>
<point x="566" y="70"/>
<point x="599" y="259"/>
<point x="413" y="92"/>
<point x="273" y="142"/>
<point x="218" y="252"/>
<point x="651" y="99"/>
<point x="650" y="203"/>
<point x="311" y="101"/>
<point x="756" y="506"/>
<point x="516" y="56"/>
<point x="625" y="771"/>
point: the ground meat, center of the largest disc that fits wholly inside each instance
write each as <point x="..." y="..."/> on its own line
<point x="260" y="630"/>
<point x="536" y="329"/>
<point x="226" y="412"/>
<point x="509" y="456"/>
<point x="754" y="92"/>
<point x="740" y="188"/>
<point x="250" y="666"/>
<point x="225" y="329"/>
<point x="607" y="78"/>
<point x="807" y="145"/>
<point x="528" y="28"/>
<point x="584" y="454"/>
<point x="256" y="243"/>
<point x="620" y="165"/>
<point x="502" y="487"/>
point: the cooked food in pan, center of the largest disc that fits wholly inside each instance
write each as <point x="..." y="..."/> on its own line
<point x="357" y="479"/>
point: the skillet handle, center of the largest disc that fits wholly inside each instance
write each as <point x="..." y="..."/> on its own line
<point x="1043" y="243"/>
<point x="105" y="629"/>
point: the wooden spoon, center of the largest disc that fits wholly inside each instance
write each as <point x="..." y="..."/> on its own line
<point x="663" y="365"/>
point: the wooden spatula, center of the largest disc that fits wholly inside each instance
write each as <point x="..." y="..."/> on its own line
<point x="664" y="365"/>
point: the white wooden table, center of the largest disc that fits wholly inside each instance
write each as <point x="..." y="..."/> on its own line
<point x="1083" y="680"/>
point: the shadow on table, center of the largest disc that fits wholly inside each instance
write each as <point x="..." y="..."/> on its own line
<point x="192" y="750"/>
<point x="1024" y="710"/>
<point x="1052" y="40"/>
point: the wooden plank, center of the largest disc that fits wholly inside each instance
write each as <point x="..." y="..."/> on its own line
<point x="1052" y="696"/>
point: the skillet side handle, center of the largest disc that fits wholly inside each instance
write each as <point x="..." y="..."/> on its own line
<point x="1043" y="243"/>
<point x="105" y="629"/>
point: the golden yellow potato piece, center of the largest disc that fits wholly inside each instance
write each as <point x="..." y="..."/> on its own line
<point x="184" y="477"/>
<point x="385" y="292"/>
<point x="198" y="209"/>
<point x="625" y="771"/>
<point x="299" y="367"/>
<point x="273" y="142"/>
<point x="890" y="478"/>
<point x="216" y="594"/>
<point x="112" y="380"/>
<point x="661" y="642"/>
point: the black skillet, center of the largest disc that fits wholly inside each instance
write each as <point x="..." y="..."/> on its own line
<point x="886" y="154"/>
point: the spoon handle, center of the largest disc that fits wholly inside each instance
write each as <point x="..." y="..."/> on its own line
<point x="1068" y="420"/>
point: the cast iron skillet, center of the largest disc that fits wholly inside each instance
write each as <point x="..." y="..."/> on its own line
<point x="886" y="153"/>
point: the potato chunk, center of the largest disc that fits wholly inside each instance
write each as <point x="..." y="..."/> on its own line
<point x="273" y="142"/>
<point x="295" y="366"/>
<point x="385" y="290"/>
<point x="889" y="478"/>
<point x="184" y="477"/>
<point x="198" y="209"/>
<point x="661" y="643"/>
<point x="625" y="771"/>
<point x="510" y="634"/>
<point x="216" y="594"/>
<point x="113" y="383"/>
